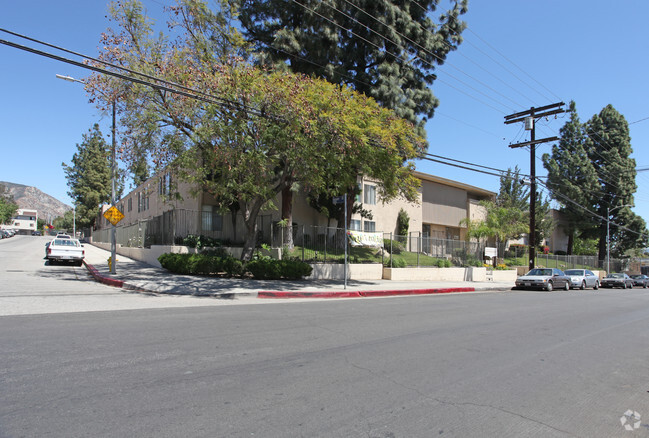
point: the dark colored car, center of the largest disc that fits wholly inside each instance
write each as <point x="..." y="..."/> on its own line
<point x="36" y="233"/>
<point x="617" y="280"/>
<point x="544" y="278"/>
<point x="640" y="280"/>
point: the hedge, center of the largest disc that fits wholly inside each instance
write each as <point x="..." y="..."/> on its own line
<point x="208" y="264"/>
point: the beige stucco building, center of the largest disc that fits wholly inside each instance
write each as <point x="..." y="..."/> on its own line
<point x="442" y="205"/>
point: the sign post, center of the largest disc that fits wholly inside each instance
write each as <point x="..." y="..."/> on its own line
<point x="343" y="200"/>
<point x="114" y="216"/>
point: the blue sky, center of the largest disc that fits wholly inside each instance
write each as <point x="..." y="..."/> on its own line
<point x="516" y="54"/>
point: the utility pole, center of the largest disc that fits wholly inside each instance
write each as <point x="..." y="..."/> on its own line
<point x="529" y="117"/>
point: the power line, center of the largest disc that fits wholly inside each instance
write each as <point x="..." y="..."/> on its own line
<point x="402" y="59"/>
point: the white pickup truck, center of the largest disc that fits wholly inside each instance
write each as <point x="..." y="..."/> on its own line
<point x="65" y="250"/>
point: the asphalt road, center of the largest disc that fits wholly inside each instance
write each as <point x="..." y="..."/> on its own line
<point x="496" y="364"/>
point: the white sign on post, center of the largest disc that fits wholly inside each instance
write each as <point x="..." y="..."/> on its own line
<point x="490" y="252"/>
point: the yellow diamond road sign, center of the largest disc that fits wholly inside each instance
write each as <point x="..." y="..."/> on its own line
<point x="114" y="215"/>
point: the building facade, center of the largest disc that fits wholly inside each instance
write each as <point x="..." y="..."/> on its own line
<point x="25" y="221"/>
<point x="441" y="206"/>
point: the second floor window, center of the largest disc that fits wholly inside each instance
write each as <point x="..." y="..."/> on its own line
<point x="369" y="194"/>
<point x="369" y="226"/>
<point x="355" y="225"/>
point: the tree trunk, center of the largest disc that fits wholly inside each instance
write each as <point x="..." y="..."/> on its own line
<point x="602" y="243"/>
<point x="571" y="242"/>
<point x="250" y="219"/>
<point x="287" y="216"/>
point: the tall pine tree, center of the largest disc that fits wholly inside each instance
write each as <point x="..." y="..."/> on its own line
<point x="572" y="178"/>
<point x="89" y="176"/>
<point x="608" y="145"/>
<point x="386" y="49"/>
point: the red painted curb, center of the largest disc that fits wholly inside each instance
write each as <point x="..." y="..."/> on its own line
<point x="100" y="278"/>
<point x="280" y="294"/>
<point x="357" y="294"/>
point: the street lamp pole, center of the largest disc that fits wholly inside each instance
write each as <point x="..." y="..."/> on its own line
<point x="113" y="231"/>
<point x="608" y="235"/>
<point x="113" y="235"/>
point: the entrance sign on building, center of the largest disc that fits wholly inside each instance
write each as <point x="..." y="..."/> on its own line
<point x="490" y="252"/>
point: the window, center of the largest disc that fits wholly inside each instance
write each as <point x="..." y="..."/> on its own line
<point x="164" y="187"/>
<point x="369" y="226"/>
<point x="130" y="204"/>
<point x="211" y="220"/>
<point x="139" y="202"/>
<point x="355" y="225"/>
<point x="369" y="194"/>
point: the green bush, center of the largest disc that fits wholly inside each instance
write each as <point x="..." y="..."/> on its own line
<point x="443" y="263"/>
<point x="201" y="264"/>
<point x="396" y="247"/>
<point x="233" y="267"/>
<point x="472" y="261"/>
<point x="396" y="262"/>
<point x="199" y="242"/>
<point x="271" y="269"/>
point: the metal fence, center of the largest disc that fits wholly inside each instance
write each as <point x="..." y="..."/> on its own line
<point x="173" y="226"/>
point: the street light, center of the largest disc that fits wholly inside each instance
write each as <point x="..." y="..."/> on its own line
<point x="113" y="235"/>
<point x="608" y="235"/>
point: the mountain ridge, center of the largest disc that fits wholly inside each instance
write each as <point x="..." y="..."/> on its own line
<point x="32" y="198"/>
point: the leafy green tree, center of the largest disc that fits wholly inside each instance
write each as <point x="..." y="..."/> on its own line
<point x="7" y="205"/>
<point x="65" y="222"/>
<point x="502" y="223"/>
<point x="584" y="246"/>
<point x="265" y="133"/>
<point x="608" y="146"/>
<point x="89" y="176"/>
<point x="572" y="178"/>
<point x="383" y="48"/>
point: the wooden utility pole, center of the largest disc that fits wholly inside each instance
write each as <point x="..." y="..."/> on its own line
<point x="529" y="117"/>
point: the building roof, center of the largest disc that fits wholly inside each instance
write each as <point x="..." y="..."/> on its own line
<point x="448" y="182"/>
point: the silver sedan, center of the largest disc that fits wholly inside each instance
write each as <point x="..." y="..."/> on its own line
<point x="582" y="278"/>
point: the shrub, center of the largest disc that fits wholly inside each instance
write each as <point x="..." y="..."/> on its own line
<point x="396" y="248"/>
<point x="472" y="261"/>
<point x="199" y="242"/>
<point x="396" y="262"/>
<point x="443" y="263"/>
<point x="201" y="264"/>
<point x="232" y="267"/>
<point x="271" y="269"/>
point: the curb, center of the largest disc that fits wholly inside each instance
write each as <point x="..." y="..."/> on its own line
<point x="100" y="278"/>
<point x="362" y="294"/>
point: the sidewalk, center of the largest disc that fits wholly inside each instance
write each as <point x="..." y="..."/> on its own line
<point x="141" y="277"/>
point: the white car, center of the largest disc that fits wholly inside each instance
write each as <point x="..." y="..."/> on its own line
<point x="582" y="278"/>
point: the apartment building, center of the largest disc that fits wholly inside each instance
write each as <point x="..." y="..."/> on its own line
<point x="441" y="206"/>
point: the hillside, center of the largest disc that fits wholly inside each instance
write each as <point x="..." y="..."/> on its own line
<point x="32" y="198"/>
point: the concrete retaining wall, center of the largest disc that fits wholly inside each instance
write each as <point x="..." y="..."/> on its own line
<point x="507" y="276"/>
<point x="328" y="271"/>
<point x="436" y="274"/>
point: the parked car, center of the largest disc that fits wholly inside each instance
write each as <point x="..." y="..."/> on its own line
<point x="65" y="250"/>
<point x="36" y="233"/>
<point x="582" y="278"/>
<point x="544" y="278"/>
<point x="617" y="280"/>
<point x="640" y="280"/>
